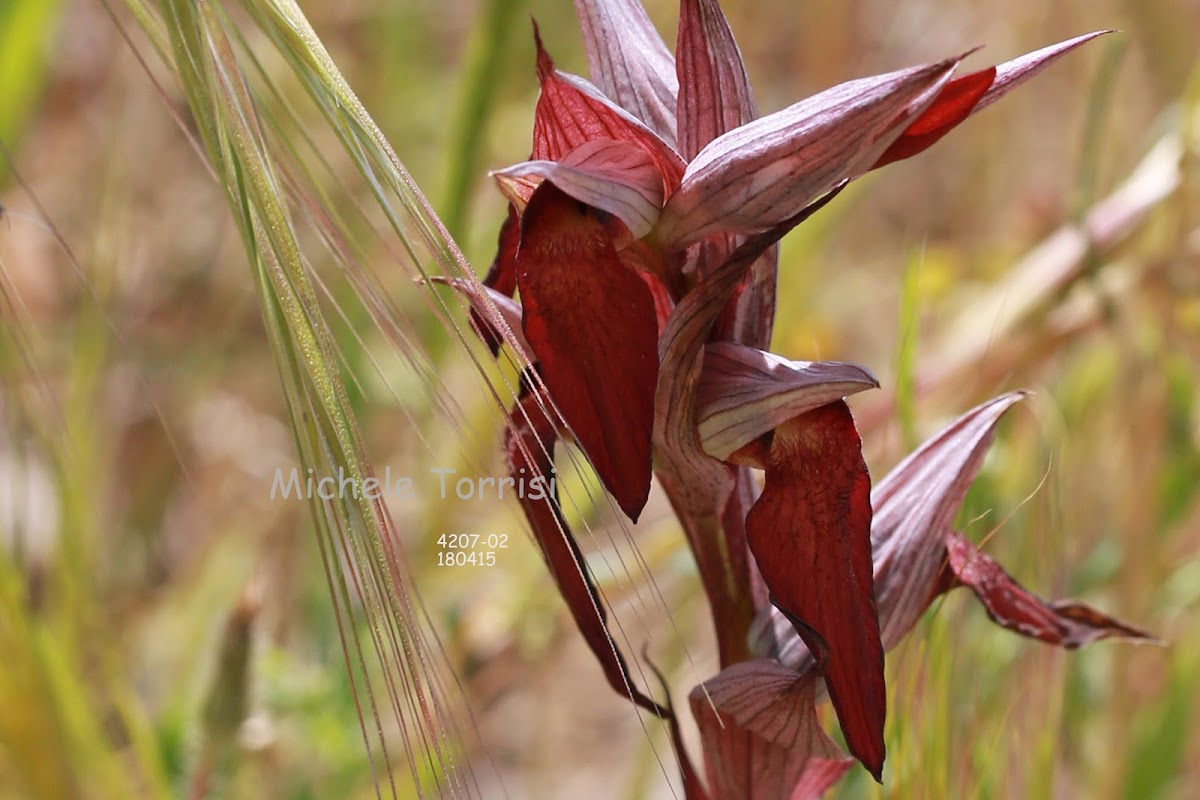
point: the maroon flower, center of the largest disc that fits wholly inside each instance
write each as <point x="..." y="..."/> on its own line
<point x="641" y="242"/>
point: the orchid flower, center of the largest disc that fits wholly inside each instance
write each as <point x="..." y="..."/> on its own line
<point x="641" y="241"/>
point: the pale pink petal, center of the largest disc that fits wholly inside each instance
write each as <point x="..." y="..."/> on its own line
<point x="746" y="392"/>
<point x="756" y="176"/>
<point x="518" y="182"/>
<point x="914" y="508"/>
<point x="714" y="98"/>
<point x="714" y="93"/>
<point x="1012" y="74"/>
<point x="761" y="735"/>
<point x="616" y="177"/>
<point x="629" y="62"/>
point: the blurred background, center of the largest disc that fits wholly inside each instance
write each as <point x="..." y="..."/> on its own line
<point x="166" y="628"/>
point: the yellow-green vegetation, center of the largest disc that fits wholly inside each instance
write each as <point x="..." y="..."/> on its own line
<point x="209" y="254"/>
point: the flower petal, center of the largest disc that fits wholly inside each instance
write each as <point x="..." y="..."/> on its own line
<point x="810" y="533"/>
<point x="749" y="316"/>
<point x="591" y="322"/>
<point x="1068" y="624"/>
<point x="714" y="93"/>
<point x="1012" y="74"/>
<point x="917" y="556"/>
<point x="491" y="312"/>
<point x="761" y="735"/>
<point x="915" y="506"/>
<point x="629" y="62"/>
<point x="699" y="486"/>
<point x="529" y="443"/>
<point x="972" y="93"/>
<point x="754" y="177"/>
<point x="501" y="277"/>
<point x="502" y="274"/>
<point x="745" y="393"/>
<point x="614" y="176"/>
<point x="663" y="304"/>
<point x="714" y="98"/>
<point x="955" y="103"/>
<point x="570" y="111"/>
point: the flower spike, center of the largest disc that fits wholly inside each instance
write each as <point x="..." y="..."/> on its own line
<point x="642" y="239"/>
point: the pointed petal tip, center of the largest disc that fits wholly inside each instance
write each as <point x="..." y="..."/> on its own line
<point x="1015" y="396"/>
<point x="1067" y="623"/>
<point x="770" y="172"/>
<point x="545" y="64"/>
<point x="964" y="55"/>
<point x="950" y="63"/>
<point x="855" y="379"/>
<point x="868" y="377"/>
<point x="872" y="762"/>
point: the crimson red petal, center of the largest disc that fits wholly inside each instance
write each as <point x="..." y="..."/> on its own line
<point x="971" y="94"/>
<point x="529" y="442"/>
<point x="810" y="533"/>
<point x="953" y="105"/>
<point x="501" y="276"/>
<point x="1066" y="623"/>
<point x="591" y="322"/>
<point x="570" y="111"/>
